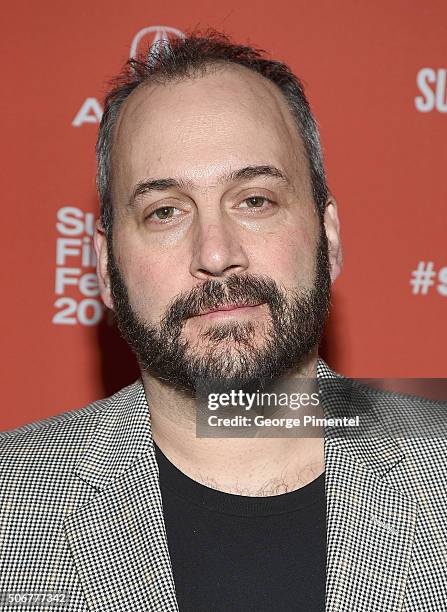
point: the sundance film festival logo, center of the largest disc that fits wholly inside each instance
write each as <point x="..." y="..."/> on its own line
<point x="432" y="85"/>
<point x="76" y="283"/>
<point x="152" y="36"/>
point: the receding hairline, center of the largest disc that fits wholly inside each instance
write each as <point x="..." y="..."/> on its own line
<point x="201" y="71"/>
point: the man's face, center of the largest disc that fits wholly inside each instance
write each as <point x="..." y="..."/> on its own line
<point x="213" y="207"/>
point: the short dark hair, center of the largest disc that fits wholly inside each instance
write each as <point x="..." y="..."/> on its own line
<point x="189" y="56"/>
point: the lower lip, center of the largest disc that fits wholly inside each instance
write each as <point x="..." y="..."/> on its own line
<point x="232" y="311"/>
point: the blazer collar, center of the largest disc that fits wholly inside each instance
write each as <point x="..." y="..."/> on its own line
<point x="371" y="525"/>
<point x="123" y="434"/>
<point x="369" y="444"/>
<point x="124" y="430"/>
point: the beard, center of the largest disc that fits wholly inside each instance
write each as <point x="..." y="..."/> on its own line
<point x="239" y="353"/>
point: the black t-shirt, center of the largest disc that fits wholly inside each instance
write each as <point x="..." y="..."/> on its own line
<point x="237" y="553"/>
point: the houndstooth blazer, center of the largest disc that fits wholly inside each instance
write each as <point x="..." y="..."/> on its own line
<point x="81" y="511"/>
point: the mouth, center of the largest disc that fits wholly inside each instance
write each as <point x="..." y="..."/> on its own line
<point x="238" y="308"/>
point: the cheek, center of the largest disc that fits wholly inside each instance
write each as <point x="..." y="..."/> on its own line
<point x="147" y="279"/>
<point x="288" y="257"/>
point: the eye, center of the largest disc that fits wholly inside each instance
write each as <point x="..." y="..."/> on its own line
<point x="257" y="202"/>
<point x="163" y="213"/>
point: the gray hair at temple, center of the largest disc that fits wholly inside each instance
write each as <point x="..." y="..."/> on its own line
<point x="186" y="57"/>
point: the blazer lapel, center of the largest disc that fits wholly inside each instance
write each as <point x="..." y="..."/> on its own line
<point x="370" y="524"/>
<point x="118" y="538"/>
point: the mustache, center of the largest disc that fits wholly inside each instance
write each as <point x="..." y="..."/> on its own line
<point x="244" y="289"/>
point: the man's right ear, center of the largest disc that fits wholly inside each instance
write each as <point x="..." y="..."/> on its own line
<point x="100" y="244"/>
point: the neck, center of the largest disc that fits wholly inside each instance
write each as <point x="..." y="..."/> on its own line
<point x="255" y="466"/>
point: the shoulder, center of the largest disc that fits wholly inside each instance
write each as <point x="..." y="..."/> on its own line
<point x="395" y="409"/>
<point x="414" y="424"/>
<point x="405" y="410"/>
<point x="417" y="425"/>
<point x="64" y="433"/>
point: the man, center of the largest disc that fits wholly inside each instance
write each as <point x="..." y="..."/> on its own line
<point x="217" y="245"/>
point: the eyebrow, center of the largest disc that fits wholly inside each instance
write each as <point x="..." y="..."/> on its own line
<point x="162" y="184"/>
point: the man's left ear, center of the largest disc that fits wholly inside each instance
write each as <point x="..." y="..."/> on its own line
<point x="332" y="227"/>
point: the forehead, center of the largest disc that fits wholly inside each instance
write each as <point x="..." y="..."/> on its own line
<point x="198" y="126"/>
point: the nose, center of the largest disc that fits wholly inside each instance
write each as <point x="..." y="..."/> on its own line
<point x="218" y="251"/>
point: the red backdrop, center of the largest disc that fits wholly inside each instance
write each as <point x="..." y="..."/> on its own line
<point x="376" y="78"/>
